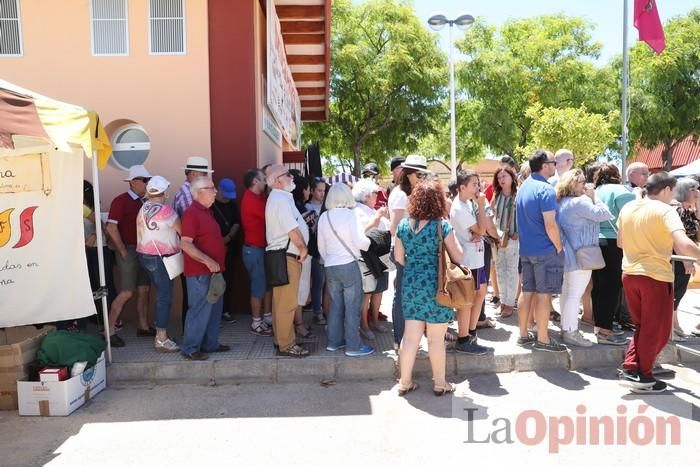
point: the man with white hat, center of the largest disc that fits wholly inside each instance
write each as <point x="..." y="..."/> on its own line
<point x="195" y="167"/>
<point x="121" y="228"/>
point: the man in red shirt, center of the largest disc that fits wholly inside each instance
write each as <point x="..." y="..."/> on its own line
<point x="254" y="243"/>
<point x="205" y="256"/>
<point x="121" y="228"/>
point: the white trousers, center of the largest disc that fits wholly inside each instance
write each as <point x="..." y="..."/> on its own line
<point x="507" y="272"/>
<point x="572" y="289"/>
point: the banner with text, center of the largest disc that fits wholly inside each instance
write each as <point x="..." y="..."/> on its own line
<point x="43" y="271"/>
<point x="282" y="96"/>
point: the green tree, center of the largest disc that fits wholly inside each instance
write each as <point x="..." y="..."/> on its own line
<point x="586" y="134"/>
<point x="387" y="83"/>
<point x="545" y="60"/>
<point x="665" y="88"/>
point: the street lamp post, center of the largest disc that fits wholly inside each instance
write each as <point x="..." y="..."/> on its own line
<point x="437" y="22"/>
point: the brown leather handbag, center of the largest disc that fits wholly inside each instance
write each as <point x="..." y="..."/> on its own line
<point x="455" y="282"/>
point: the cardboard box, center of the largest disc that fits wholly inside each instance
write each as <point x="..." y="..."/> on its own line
<point x="60" y="398"/>
<point x="18" y="347"/>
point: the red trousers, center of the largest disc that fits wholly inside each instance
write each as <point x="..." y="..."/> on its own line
<point x="650" y="304"/>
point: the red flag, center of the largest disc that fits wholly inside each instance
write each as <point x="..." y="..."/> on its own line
<point x="646" y="20"/>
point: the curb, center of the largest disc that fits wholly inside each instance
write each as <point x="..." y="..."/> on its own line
<point x="285" y="370"/>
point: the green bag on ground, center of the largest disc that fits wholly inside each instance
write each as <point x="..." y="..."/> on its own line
<point x="64" y="348"/>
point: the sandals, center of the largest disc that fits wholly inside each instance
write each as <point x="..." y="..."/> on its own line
<point x="403" y="390"/>
<point x="294" y="351"/>
<point x="448" y="388"/>
<point x="506" y="312"/>
<point x="485" y="324"/>
<point x="306" y="334"/>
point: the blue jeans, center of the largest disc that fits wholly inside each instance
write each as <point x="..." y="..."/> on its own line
<point x="345" y="287"/>
<point x="203" y="318"/>
<point x="164" y="287"/>
<point x="317" y="280"/>
<point x="397" y="319"/>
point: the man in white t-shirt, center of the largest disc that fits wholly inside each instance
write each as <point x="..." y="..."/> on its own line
<point x="468" y="218"/>
<point x="285" y="228"/>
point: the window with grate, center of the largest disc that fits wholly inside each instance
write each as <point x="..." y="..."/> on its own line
<point x="110" y="27"/>
<point x="10" y="30"/>
<point x="166" y="27"/>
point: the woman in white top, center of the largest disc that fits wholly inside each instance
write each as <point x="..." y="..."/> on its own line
<point x="157" y="230"/>
<point x="365" y="192"/>
<point x="340" y="240"/>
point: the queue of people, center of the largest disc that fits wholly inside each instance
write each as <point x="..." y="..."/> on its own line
<point x="549" y="229"/>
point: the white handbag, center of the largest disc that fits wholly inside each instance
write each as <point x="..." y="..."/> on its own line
<point x="174" y="264"/>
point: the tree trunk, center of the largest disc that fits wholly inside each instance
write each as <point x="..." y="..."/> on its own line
<point x="357" y="162"/>
<point x="667" y="156"/>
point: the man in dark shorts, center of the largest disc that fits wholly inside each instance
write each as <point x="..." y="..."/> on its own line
<point x="542" y="255"/>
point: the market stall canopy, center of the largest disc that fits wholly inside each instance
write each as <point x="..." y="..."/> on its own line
<point x="24" y="113"/>
<point x="687" y="170"/>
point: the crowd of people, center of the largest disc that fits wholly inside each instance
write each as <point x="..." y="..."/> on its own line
<point x="549" y="229"/>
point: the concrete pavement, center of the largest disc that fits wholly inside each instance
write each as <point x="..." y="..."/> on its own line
<point x="517" y="417"/>
<point x="252" y="358"/>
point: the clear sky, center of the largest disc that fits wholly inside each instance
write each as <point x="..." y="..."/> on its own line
<point x="606" y="15"/>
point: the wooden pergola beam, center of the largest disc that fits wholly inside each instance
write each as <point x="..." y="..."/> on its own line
<point x="306" y="59"/>
<point x="311" y="91"/>
<point x="303" y="39"/>
<point x="300" y="12"/>
<point x="313" y="116"/>
<point x="309" y="76"/>
<point x="299" y="27"/>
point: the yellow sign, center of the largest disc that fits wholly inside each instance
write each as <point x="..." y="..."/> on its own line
<point x="25" y="173"/>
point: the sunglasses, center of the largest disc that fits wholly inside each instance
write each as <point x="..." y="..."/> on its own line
<point x="140" y="179"/>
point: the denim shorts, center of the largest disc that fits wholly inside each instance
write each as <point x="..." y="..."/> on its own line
<point x="543" y="274"/>
<point x="254" y="261"/>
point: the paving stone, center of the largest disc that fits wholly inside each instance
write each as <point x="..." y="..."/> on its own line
<point x="304" y="369"/>
<point x="260" y="370"/>
<point x="538" y="360"/>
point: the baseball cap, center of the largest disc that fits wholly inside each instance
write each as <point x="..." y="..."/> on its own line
<point x="137" y="171"/>
<point x="370" y="168"/>
<point x="396" y="161"/>
<point x="227" y="187"/>
<point x="217" y="287"/>
<point x="157" y="185"/>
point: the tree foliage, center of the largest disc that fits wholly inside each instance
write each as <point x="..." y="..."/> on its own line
<point x="665" y="88"/>
<point x="586" y="134"/>
<point x="544" y="60"/>
<point x="387" y="82"/>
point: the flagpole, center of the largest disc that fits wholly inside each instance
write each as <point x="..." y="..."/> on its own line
<point x="625" y="85"/>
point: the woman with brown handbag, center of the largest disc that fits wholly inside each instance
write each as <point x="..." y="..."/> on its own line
<point x="417" y="249"/>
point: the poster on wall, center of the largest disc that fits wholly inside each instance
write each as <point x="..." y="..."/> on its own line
<point x="282" y="96"/>
<point x="43" y="271"/>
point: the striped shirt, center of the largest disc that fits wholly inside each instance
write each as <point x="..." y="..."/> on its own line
<point x="183" y="199"/>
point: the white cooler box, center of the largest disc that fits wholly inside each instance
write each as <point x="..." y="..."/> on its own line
<point x="60" y="398"/>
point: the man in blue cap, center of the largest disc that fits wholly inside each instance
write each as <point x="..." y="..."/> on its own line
<point x="228" y="216"/>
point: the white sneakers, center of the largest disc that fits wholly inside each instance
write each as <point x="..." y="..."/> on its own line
<point x="575" y="338"/>
<point x="165" y="346"/>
